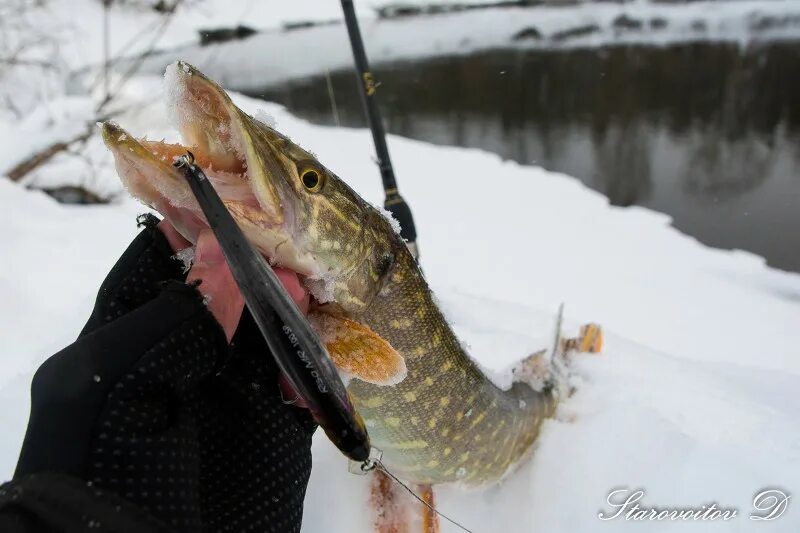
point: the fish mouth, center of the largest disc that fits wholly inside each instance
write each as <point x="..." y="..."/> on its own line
<point x="236" y="154"/>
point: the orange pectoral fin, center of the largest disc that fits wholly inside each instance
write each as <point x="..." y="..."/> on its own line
<point x="359" y="351"/>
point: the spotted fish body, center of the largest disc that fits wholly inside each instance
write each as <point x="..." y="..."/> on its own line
<point x="444" y="421"/>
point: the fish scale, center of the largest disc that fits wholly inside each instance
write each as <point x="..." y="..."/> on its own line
<point x="446" y="421"/>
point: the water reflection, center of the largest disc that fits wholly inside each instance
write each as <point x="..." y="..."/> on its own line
<point x="623" y="166"/>
<point x="720" y="170"/>
<point x="705" y="132"/>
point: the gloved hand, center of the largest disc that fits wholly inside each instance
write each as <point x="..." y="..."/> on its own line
<point x="153" y="404"/>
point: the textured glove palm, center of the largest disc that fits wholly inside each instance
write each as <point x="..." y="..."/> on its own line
<point x="151" y="403"/>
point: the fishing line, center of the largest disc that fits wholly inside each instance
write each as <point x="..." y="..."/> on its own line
<point x="371" y="464"/>
<point x="332" y="98"/>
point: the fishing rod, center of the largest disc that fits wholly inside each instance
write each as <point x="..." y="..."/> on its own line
<point x="394" y="203"/>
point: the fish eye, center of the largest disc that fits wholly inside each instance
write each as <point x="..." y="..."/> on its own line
<point x="312" y="180"/>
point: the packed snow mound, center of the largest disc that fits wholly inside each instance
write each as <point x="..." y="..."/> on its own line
<point x="694" y="398"/>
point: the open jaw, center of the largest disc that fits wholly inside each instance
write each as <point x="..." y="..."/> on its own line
<point x="221" y="138"/>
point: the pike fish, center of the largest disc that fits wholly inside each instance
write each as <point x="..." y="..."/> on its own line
<point x="430" y="409"/>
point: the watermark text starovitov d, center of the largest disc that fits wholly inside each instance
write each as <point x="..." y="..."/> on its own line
<point x="625" y="504"/>
<point x="768" y="504"/>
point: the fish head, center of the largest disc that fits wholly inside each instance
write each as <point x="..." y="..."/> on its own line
<point x="294" y="210"/>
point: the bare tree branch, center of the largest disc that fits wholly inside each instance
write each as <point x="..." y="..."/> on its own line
<point x="19" y="171"/>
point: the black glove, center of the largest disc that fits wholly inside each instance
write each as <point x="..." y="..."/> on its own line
<point x="152" y="404"/>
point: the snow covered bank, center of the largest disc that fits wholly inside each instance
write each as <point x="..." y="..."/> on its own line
<point x="694" y="399"/>
<point x="278" y="55"/>
<point x="74" y="32"/>
<point x="77" y="24"/>
<point x="43" y="42"/>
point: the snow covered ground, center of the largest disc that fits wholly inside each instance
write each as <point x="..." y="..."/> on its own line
<point x="694" y="399"/>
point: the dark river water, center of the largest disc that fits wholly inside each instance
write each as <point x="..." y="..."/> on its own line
<point x="708" y="133"/>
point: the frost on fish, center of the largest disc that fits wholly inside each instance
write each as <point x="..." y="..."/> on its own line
<point x="265" y="118"/>
<point x="321" y="287"/>
<point x="187" y="109"/>
<point x="174" y="92"/>
<point x="389" y="217"/>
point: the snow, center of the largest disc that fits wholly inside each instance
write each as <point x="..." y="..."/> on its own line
<point x="385" y="213"/>
<point x="321" y="287"/>
<point x="694" y="397"/>
<point x="185" y="256"/>
<point x="74" y="28"/>
<point x="277" y="56"/>
<point x="46" y="124"/>
<point x="73" y="45"/>
<point x="265" y="118"/>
